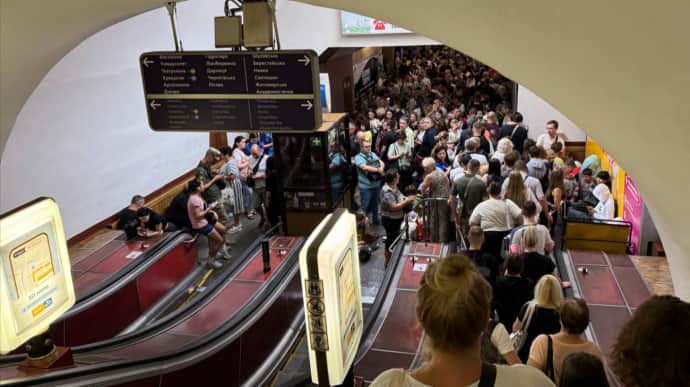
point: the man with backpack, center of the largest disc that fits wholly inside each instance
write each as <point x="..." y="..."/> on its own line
<point x="515" y="130"/>
<point x="467" y="191"/>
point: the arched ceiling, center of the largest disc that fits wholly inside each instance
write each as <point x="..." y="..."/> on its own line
<point x="35" y="35"/>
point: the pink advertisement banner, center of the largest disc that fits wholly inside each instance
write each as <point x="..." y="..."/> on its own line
<point x="632" y="211"/>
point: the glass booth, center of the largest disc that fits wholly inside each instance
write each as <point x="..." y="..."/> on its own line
<point x="315" y="173"/>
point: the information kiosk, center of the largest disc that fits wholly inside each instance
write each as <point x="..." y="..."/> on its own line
<point x="35" y="280"/>
<point x="329" y="267"/>
<point x="315" y="173"/>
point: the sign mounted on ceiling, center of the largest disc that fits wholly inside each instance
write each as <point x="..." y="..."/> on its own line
<point x="275" y="91"/>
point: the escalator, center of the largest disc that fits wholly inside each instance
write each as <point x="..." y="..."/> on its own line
<point x="395" y="337"/>
<point x="118" y="283"/>
<point x="219" y="340"/>
<point x="392" y="311"/>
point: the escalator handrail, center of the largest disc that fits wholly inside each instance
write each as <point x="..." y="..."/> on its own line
<point x="388" y="286"/>
<point x="269" y="367"/>
<point x="165" y="302"/>
<point x="236" y="266"/>
<point x="129" y="272"/>
<point x="267" y="370"/>
<point x="170" y="319"/>
<point x="161" y="323"/>
<point x="127" y="370"/>
<point x="113" y="284"/>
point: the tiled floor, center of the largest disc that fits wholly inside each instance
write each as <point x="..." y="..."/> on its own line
<point x="656" y="273"/>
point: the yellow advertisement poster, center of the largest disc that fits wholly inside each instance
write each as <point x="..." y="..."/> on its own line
<point x="35" y="279"/>
<point x="32" y="279"/>
<point x="346" y="302"/>
<point x="611" y="166"/>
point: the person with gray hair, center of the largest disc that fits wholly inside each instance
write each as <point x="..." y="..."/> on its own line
<point x="436" y="186"/>
<point x="127" y="219"/>
<point x="471" y="147"/>
<point x="503" y="147"/>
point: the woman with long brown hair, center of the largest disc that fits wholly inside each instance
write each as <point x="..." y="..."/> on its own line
<point x="555" y="192"/>
<point x="517" y="191"/>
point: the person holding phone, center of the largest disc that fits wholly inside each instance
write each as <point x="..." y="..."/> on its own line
<point x="393" y="203"/>
<point x="205" y="221"/>
<point x="150" y="223"/>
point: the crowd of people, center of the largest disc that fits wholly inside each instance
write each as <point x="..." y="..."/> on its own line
<point x="438" y="141"/>
<point x="230" y="184"/>
<point x="454" y="306"/>
<point x="444" y="124"/>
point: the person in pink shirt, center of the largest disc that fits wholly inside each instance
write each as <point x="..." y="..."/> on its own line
<point x="205" y="221"/>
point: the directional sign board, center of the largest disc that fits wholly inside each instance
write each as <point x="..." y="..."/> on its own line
<point x="275" y="91"/>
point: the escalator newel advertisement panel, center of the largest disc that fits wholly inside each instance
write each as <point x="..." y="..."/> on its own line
<point x="35" y="279"/>
<point x="329" y="266"/>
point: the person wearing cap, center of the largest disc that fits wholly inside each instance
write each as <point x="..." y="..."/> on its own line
<point x="211" y="181"/>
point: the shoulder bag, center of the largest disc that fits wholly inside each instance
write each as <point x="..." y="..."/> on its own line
<point x="373" y="176"/>
<point x="519" y="338"/>
<point x="549" y="359"/>
<point x="250" y="178"/>
<point x="394" y="163"/>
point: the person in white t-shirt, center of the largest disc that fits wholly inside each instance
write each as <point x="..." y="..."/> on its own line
<point x="453" y="306"/>
<point x="496" y="216"/>
<point x="547" y="139"/>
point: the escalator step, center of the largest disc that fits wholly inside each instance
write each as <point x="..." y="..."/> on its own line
<point x="299" y="362"/>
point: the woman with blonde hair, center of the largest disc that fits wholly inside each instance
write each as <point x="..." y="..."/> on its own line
<point x="503" y="147"/>
<point x="541" y="313"/>
<point x="453" y="307"/>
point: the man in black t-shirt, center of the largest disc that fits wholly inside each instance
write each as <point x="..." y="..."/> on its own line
<point x="515" y="131"/>
<point x="150" y="223"/>
<point x="127" y="220"/>
<point x="486" y="263"/>
<point x="389" y="137"/>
